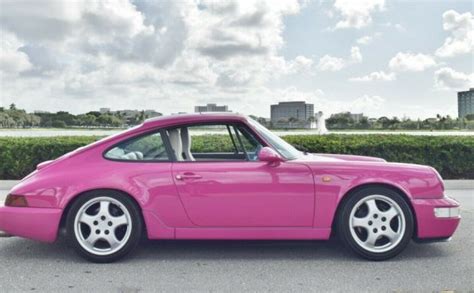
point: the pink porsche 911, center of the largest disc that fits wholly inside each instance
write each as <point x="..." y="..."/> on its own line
<point x="163" y="180"/>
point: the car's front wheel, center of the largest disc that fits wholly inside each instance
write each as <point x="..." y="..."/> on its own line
<point x="104" y="226"/>
<point x="376" y="223"/>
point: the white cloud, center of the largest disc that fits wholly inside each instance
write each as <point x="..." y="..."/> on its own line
<point x="32" y="20"/>
<point x="171" y="55"/>
<point x="299" y="64"/>
<point x="461" y="28"/>
<point x="357" y="14"/>
<point x="250" y="28"/>
<point x="411" y="62"/>
<point x="367" y="104"/>
<point x="397" y="26"/>
<point x="356" y="56"/>
<point x="375" y="76"/>
<point x="449" y="79"/>
<point x="365" y="40"/>
<point x="331" y="63"/>
<point x="12" y="60"/>
<point x="160" y="54"/>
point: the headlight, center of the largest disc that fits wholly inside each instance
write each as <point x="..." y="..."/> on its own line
<point x="453" y="212"/>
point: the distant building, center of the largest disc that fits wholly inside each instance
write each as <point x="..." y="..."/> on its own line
<point x="211" y="108"/>
<point x="466" y="103"/>
<point x="262" y="120"/>
<point x="104" y="110"/>
<point x="292" y="115"/>
<point x="354" y="117"/>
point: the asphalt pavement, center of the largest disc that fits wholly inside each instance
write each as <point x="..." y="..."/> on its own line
<point x="251" y="266"/>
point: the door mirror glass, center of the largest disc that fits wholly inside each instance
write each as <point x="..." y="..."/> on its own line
<point x="267" y="154"/>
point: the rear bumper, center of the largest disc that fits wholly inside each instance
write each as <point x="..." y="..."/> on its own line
<point x="34" y="223"/>
<point x="431" y="226"/>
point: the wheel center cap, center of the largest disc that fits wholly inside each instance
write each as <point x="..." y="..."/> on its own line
<point x="103" y="225"/>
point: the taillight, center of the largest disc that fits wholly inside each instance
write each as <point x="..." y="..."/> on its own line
<point x="16" y="201"/>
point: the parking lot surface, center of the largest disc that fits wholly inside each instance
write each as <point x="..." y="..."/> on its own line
<point x="254" y="266"/>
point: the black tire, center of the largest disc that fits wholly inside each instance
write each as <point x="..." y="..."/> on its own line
<point x="135" y="233"/>
<point x="344" y="227"/>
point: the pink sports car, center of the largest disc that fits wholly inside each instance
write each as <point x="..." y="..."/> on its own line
<point x="166" y="180"/>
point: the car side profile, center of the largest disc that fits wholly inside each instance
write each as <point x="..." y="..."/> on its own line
<point x="166" y="180"/>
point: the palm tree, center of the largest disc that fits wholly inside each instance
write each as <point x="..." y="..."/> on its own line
<point x="292" y="120"/>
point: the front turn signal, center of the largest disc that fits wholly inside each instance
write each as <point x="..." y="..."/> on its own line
<point x="16" y="201"/>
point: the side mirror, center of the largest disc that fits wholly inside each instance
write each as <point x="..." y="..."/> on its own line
<point x="267" y="154"/>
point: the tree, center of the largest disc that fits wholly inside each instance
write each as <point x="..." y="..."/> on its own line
<point x="12" y="107"/>
<point x="292" y="120"/>
<point x="68" y="118"/>
<point x="104" y="120"/>
<point x="95" y="113"/>
<point x="384" y="121"/>
<point x="469" y="117"/>
<point x="364" y="123"/>
<point x="58" y="124"/>
<point x="86" y="120"/>
<point x="394" y="122"/>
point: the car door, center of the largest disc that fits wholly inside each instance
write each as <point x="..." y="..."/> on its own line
<point x="234" y="189"/>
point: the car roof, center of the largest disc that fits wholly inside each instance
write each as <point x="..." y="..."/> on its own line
<point x="169" y="120"/>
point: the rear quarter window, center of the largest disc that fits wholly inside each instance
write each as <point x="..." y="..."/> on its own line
<point x="149" y="147"/>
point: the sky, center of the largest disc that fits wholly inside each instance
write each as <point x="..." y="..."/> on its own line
<point x="379" y="57"/>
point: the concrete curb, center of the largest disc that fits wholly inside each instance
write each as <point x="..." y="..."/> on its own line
<point x="8" y="184"/>
<point x="449" y="184"/>
<point x="459" y="184"/>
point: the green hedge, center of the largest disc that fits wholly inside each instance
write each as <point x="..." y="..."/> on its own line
<point x="452" y="156"/>
<point x="20" y="155"/>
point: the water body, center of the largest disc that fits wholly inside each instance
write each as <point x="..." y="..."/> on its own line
<point x="105" y="132"/>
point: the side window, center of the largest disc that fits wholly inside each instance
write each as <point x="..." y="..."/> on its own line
<point x="213" y="142"/>
<point x="250" y="144"/>
<point x="210" y="139"/>
<point x="149" y="147"/>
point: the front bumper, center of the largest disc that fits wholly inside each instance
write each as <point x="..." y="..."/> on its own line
<point x="34" y="223"/>
<point x="433" y="224"/>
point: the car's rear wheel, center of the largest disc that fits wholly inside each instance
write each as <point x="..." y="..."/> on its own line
<point x="104" y="226"/>
<point x="376" y="223"/>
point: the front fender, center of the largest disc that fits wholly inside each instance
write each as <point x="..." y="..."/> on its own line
<point x="333" y="182"/>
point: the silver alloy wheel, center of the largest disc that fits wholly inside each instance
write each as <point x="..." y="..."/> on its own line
<point x="102" y="225"/>
<point x="377" y="223"/>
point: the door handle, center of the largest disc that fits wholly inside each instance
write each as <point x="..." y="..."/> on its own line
<point x="188" y="176"/>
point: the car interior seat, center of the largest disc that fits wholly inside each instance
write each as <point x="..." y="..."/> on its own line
<point x="176" y="145"/>
<point x="186" y="141"/>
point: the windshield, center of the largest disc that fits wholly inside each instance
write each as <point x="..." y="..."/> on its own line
<point x="284" y="148"/>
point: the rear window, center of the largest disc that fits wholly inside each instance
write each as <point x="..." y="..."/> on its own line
<point x="149" y="147"/>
